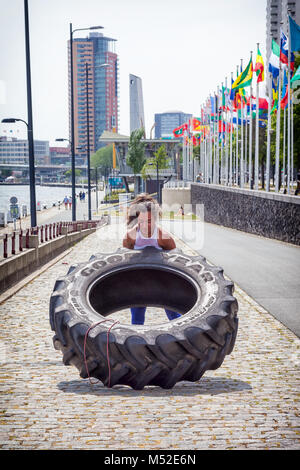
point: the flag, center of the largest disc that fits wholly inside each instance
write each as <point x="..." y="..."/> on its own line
<point x="225" y="98"/>
<point x="196" y="122"/>
<point x="296" y="78"/>
<point x="259" y="67"/>
<point x="213" y="105"/>
<point x="179" y="131"/>
<point x="232" y="93"/>
<point x="284" y="100"/>
<point x="275" y="96"/>
<point x="274" y="59"/>
<point x="284" y="51"/>
<point x="245" y="78"/>
<point x="262" y="102"/>
<point x="294" y="35"/>
<point x="239" y="97"/>
<point x="283" y="48"/>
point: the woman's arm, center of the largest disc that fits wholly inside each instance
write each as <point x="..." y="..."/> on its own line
<point x="129" y="239"/>
<point x="165" y="240"/>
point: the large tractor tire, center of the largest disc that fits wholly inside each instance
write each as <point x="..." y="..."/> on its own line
<point x="139" y="355"/>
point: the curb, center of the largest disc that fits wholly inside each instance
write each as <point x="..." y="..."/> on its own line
<point x="14" y="289"/>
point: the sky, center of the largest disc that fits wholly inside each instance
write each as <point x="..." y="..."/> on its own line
<point x="182" y="50"/>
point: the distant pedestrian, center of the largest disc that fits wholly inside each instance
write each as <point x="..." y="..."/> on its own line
<point x="180" y="211"/>
<point x="66" y="202"/>
<point x="80" y="196"/>
<point x="70" y="202"/>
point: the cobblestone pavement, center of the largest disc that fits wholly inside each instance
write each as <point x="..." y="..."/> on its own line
<point x="250" y="402"/>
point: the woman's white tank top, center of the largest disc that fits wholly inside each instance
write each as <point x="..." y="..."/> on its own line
<point x="141" y="242"/>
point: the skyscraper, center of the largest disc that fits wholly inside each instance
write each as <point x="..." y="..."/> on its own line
<point x="103" y="83"/>
<point x="137" y="118"/>
<point x="277" y="17"/>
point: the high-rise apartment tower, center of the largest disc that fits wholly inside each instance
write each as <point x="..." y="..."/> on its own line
<point x="103" y="84"/>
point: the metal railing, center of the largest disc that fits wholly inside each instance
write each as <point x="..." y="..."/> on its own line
<point x="178" y="184"/>
<point x="18" y="240"/>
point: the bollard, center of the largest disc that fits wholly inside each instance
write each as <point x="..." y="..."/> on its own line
<point x="42" y="234"/>
<point x="5" y="246"/>
<point x="13" y="243"/>
<point x="27" y="239"/>
<point x="21" y="240"/>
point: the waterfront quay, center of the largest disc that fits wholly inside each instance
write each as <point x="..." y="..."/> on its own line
<point x="250" y="402"/>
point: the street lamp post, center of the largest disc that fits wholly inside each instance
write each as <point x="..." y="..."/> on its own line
<point x="72" y="114"/>
<point x="30" y="122"/>
<point x="66" y="140"/>
<point x="88" y="141"/>
<point x="31" y="169"/>
<point x="96" y="181"/>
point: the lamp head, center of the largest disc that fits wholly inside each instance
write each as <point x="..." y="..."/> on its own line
<point x="7" y="120"/>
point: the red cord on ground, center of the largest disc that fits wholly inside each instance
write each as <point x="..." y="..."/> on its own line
<point x="107" y="350"/>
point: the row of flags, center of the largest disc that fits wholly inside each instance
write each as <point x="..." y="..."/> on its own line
<point x="235" y="99"/>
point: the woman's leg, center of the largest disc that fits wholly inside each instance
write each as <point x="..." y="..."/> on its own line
<point x="138" y="315"/>
<point x="172" y="315"/>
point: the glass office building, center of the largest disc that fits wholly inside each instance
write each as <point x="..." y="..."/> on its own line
<point x="166" y="122"/>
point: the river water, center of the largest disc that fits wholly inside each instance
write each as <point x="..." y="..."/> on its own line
<point x="47" y="195"/>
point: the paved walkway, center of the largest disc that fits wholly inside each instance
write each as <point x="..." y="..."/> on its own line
<point x="268" y="270"/>
<point x="250" y="402"/>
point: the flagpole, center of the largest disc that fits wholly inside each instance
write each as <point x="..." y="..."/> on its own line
<point x="278" y="133"/>
<point x="210" y="145"/>
<point x="217" y="156"/>
<point x="246" y="138"/>
<point x="226" y="133"/>
<point x="292" y="139"/>
<point x="289" y="109"/>
<point x="221" y="135"/>
<point x="214" y="133"/>
<point x="250" y="137"/>
<point x="190" y="154"/>
<point x="269" y="135"/>
<point x="184" y="156"/>
<point x="284" y="132"/>
<point x="237" y="140"/>
<point x="231" y="130"/>
<point x="257" y="132"/>
<point x="242" y="140"/>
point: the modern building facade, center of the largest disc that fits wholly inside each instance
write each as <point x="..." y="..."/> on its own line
<point x="103" y="85"/>
<point x="277" y="18"/>
<point x="166" y="122"/>
<point x="14" y="151"/>
<point x="60" y="156"/>
<point x="136" y="101"/>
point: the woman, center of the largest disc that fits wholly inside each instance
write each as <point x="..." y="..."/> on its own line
<point x="143" y="231"/>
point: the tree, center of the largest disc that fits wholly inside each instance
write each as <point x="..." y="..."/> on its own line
<point x="103" y="159"/>
<point x="68" y="173"/>
<point x="136" y="151"/>
<point x="160" y="159"/>
<point x="136" y="154"/>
